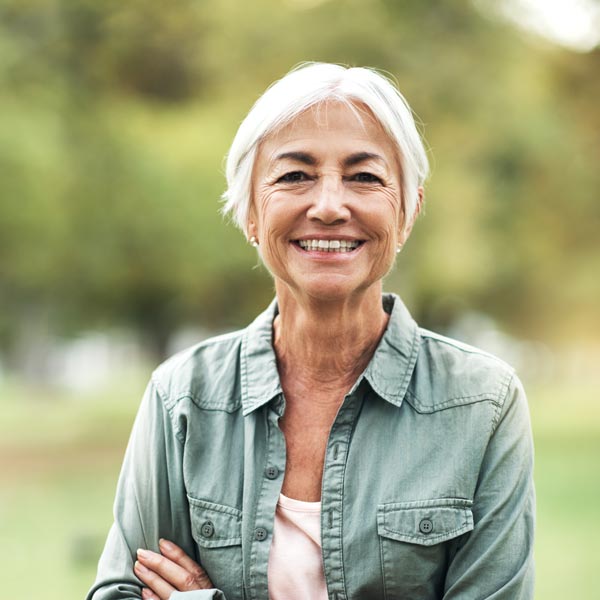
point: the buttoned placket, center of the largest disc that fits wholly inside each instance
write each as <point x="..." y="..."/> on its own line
<point x="263" y="397"/>
<point x="272" y="480"/>
<point x="332" y="493"/>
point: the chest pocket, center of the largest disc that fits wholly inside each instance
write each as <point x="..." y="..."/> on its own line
<point x="415" y="540"/>
<point x="217" y="531"/>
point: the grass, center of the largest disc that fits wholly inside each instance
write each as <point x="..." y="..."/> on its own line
<point x="566" y="424"/>
<point x="60" y="455"/>
<point x="59" y="459"/>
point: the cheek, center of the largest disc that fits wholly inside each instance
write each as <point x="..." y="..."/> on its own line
<point x="260" y="205"/>
<point x="396" y="217"/>
<point x="275" y="226"/>
<point x="385" y="217"/>
<point x="274" y="222"/>
<point x="270" y="204"/>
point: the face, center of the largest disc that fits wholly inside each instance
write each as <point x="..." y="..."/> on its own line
<point x="326" y="203"/>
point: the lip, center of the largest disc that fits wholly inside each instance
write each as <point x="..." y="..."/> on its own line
<point x="327" y="256"/>
<point x="322" y="236"/>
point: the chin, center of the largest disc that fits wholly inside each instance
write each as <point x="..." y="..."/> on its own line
<point x="331" y="290"/>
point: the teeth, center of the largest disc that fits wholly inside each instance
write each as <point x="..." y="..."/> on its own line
<point x="329" y="245"/>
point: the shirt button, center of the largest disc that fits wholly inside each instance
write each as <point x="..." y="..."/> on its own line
<point x="425" y="526"/>
<point x="207" y="529"/>
<point x="271" y="472"/>
<point x="260" y="534"/>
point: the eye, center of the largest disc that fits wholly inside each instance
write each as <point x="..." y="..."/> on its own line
<point x="365" y="177"/>
<point x="293" y="177"/>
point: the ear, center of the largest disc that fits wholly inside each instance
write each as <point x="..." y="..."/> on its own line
<point x="405" y="230"/>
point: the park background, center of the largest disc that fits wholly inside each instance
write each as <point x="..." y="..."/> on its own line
<point x="114" y="120"/>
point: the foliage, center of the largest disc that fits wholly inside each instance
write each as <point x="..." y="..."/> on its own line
<point x="114" y="118"/>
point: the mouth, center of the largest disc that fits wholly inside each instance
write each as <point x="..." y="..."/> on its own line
<point x="320" y="245"/>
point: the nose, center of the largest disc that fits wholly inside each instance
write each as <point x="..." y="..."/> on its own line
<point x="329" y="203"/>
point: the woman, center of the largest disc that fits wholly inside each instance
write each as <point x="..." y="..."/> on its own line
<point x="333" y="448"/>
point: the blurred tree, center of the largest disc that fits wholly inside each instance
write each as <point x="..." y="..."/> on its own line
<point x="114" y="118"/>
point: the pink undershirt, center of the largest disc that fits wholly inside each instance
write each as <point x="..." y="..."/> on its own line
<point x="295" y="565"/>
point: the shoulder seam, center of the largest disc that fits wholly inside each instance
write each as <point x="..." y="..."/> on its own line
<point x="182" y="360"/>
<point x="503" y="397"/>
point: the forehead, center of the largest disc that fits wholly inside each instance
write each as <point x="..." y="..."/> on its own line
<point x="331" y="126"/>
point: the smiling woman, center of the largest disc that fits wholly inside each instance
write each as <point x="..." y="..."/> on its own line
<point x="330" y="176"/>
<point x="332" y="448"/>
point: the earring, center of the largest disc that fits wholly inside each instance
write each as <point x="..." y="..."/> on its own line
<point x="253" y="241"/>
<point x="398" y="248"/>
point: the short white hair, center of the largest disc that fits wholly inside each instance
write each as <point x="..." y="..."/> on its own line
<point x="311" y="84"/>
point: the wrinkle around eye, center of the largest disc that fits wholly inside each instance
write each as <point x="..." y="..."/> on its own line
<point x="366" y="177"/>
<point x="293" y="177"/>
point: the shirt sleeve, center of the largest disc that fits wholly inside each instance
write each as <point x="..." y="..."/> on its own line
<point x="150" y="503"/>
<point x="496" y="560"/>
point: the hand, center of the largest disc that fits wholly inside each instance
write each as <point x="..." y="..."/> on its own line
<point x="170" y="571"/>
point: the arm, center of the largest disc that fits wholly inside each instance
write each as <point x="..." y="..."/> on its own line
<point x="496" y="560"/>
<point x="150" y="504"/>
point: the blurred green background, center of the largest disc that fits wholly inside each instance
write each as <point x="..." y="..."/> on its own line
<point x="114" y="120"/>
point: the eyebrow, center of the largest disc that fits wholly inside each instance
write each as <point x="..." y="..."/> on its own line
<point x="360" y="157"/>
<point x="349" y="161"/>
<point x="303" y="157"/>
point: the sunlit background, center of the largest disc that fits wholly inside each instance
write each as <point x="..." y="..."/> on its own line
<point x="114" y="120"/>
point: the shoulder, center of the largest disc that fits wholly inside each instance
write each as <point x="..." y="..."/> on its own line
<point x="450" y="373"/>
<point x="204" y="373"/>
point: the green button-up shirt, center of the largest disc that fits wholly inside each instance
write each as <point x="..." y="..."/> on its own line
<point x="427" y="488"/>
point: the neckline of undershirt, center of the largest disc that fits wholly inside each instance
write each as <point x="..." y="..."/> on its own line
<point x="298" y="505"/>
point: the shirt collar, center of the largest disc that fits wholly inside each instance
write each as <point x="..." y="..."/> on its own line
<point x="391" y="367"/>
<point x="259" y="375"/>
<point x="389" y="371"/>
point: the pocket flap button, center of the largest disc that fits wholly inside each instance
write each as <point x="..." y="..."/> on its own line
<point x="207" y="529"/>
<point x="425" y="526"/>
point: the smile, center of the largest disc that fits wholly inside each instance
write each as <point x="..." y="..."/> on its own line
<point x="329" y="245"/>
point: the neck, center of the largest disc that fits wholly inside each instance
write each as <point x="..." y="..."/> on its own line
<point x="327" y="344"/>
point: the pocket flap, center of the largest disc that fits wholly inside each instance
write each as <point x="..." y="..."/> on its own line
<point x="215" y="525"/>
<point x="425" y="522"/>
